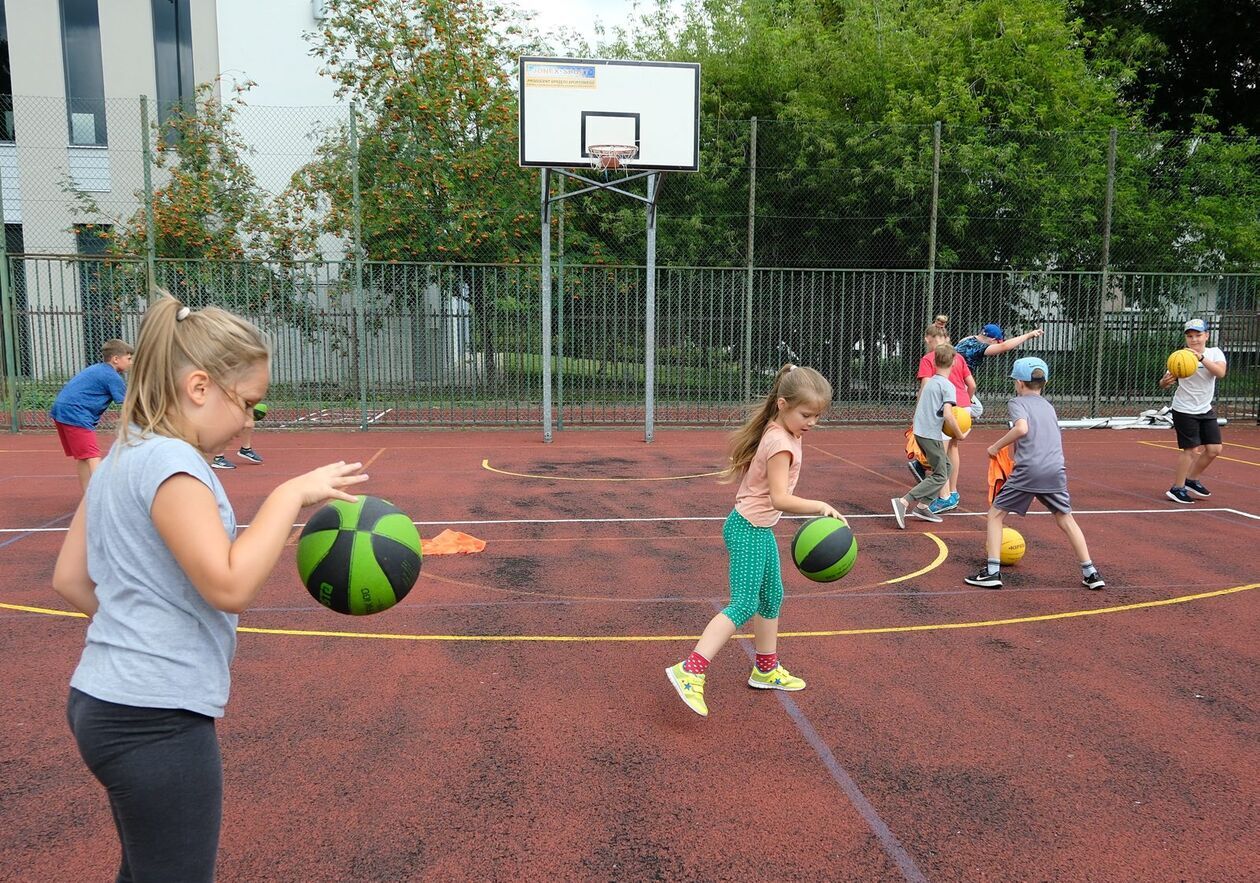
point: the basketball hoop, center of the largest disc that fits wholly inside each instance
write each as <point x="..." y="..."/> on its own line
<point x="610" y="157"/>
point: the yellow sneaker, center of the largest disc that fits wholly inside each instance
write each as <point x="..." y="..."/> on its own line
<point x="777" y="678"/>
<point x="690" y="688"/>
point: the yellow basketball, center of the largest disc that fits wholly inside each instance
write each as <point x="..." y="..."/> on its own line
<point x="1182" y="363"/>
<point x="1012" y="546"/>
<point x="963" y="416"/>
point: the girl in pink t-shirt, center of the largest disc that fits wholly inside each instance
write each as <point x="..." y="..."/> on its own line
<point x="766" y="454"/>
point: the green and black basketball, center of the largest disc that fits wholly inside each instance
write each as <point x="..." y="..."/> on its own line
<point x="824" y="549"/>
<point x="359" y="558"/>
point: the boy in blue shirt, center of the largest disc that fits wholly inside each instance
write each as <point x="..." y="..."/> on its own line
<point x="991" y="341"/>
<point x="81" y="402"/>
<point x="1039" y="473"/>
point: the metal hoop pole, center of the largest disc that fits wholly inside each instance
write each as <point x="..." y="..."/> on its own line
<point x="545" y="292"/>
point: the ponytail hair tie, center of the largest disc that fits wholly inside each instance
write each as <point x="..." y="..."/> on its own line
<point x="791" y="368"/>
<point x="182" y="314"/>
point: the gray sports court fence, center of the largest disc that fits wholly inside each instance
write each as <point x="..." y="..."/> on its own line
<point x="447" y="345"/>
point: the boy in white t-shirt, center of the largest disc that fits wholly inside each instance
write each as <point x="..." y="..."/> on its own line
<point x="1198" y="433"/>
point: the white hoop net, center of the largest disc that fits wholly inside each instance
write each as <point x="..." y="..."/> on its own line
<point x="610" y="157"/>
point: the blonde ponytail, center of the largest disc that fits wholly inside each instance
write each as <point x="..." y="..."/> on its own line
<point x="174" y="340"/>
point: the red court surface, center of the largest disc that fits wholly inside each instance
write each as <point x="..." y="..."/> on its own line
<point x="511" y="719"/>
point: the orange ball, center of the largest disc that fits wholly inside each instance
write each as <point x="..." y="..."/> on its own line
<point x="1182" y="363"/>
<point x="963" y="416"/>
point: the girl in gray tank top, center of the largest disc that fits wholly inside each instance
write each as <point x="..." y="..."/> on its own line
<point x="152" y="556"/>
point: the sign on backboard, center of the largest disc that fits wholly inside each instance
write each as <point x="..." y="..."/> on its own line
<point x="568" y="104"/>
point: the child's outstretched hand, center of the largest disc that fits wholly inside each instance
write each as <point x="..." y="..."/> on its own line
<point x="830" y="511"/>
<point x="327" y="483"/>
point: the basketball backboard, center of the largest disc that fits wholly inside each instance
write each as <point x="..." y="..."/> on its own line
<point x="568" y="104"/>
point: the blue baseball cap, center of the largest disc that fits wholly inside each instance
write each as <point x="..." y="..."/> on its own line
<point x="994" y="331"/>
<point x="1023" y="368"/>
<point x="1196" y="325"/>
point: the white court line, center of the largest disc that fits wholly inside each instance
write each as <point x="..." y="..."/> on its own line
<point x="379" y="416"/>
<point x="4" y="530"/>
<point x="312" y="416"/>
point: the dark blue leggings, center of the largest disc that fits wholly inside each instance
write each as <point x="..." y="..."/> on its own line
<point x="162" y="770"/>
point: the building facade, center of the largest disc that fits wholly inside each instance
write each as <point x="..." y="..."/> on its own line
<point x="72" y="73"/>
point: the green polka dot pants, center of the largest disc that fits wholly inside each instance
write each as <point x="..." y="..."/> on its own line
<point x="756" y="584"/>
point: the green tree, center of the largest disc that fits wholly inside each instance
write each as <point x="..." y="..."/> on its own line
<point x="1189" y="59"/>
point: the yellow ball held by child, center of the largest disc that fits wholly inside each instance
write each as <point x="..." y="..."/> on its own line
<point x="1012" y="547"/>
<point x="1182" y="363"/>
<point x="963" y="416"/>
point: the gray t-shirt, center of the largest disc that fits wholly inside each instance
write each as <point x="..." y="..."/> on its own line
<point x="1039" y="467"/>
<point x="929" y="420"/>
<point x="154" y="641"/>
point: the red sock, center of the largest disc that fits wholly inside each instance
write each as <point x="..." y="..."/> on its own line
<point x="696" y="664"/>
<point x="767" y="662"/>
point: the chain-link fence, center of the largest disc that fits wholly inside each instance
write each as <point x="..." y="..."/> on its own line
<point x="825" y="243"/>
<point x="455" y="345"/>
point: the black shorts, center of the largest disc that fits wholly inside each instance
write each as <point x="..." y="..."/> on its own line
<point x="1196" y="429"/>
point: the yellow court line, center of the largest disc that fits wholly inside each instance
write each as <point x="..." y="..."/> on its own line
<point x="941" y="554"/>
<point x="485" y="464"/>
<point x="1164" y="447"/>
<point x="590" y="639"/>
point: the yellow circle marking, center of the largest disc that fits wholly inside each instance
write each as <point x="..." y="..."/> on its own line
<point x="941" y="555"/>
<point x="485" y="464"/>
<point x="942" y="552"/>
<point x="591" y="639"/>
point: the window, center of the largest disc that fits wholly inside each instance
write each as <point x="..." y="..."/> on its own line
<point x="85" y="83"/>
<point x="101" y="319"/>
<point x="6" y="81"/>
<point x="172" y="55"/>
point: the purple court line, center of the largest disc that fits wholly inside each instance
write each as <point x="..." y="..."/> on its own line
<point x="13" y="540"/>
<point x="887" y="839"/>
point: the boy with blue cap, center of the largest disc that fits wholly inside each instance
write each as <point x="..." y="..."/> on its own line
<point x="1194" y="418"/>
<point x="990" y="341"/>
<point x="1039" y="474"/>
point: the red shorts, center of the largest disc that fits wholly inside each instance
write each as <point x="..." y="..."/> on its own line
<point x="78" y="442"/>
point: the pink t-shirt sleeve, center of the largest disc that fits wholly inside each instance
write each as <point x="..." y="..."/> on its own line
<point x="927" y="366"/>
<point x="776" y="443"/>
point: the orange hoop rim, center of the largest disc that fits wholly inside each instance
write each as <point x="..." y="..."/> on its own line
<point x="611" y="156"/>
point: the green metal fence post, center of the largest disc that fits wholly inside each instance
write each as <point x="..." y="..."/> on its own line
<point x="1106" y="259"/>
<point x="752" y="243"/>
<point x="10" y="325"/>
<point x="360" y="301"/>
<point x="936" y="189"/>
<point x="150" y="234"/>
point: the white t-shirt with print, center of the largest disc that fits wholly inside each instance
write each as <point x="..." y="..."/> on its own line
<point x="1195" y="393"/>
